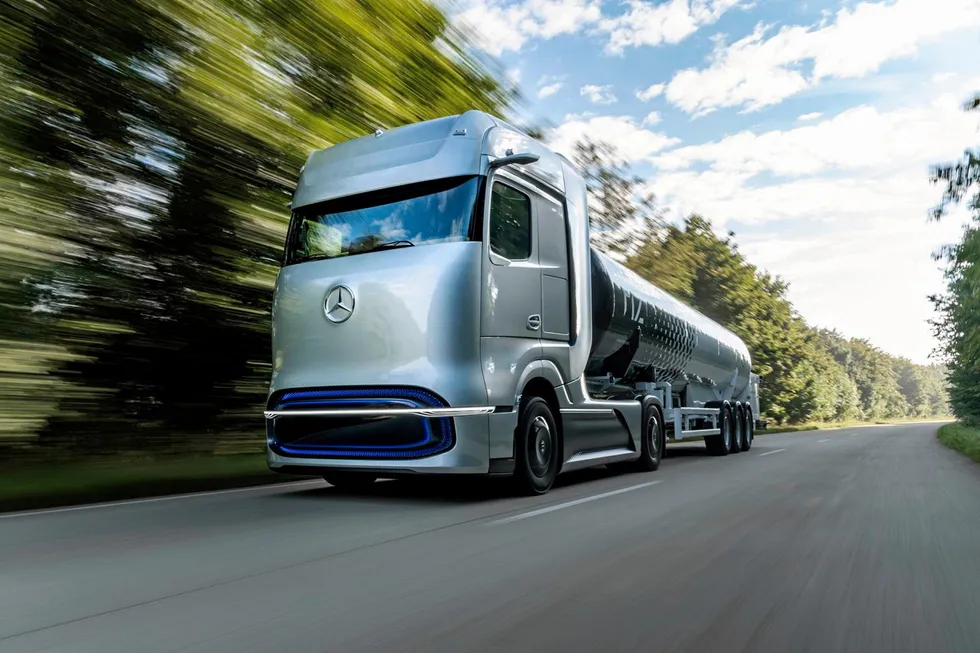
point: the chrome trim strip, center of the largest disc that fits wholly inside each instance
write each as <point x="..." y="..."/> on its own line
<point x="694" y="410"/>
<point x="383" y="412"/>
<point x="692" y="434"/>
<point x="592" y="456"/>
<point x="587" y="411"/>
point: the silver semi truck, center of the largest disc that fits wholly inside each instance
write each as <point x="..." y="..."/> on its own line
<point x="440" y="310"/>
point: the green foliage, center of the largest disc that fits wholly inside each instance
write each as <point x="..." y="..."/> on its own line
<point x="808" y="375"/>
<point x="621" y="213"/>
<point x="962" y="438"/>
<point x="148" y="152"/>
<point x="957" y="325"/>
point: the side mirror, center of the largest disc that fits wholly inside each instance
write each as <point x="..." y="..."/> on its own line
<point x="520" y="159"/>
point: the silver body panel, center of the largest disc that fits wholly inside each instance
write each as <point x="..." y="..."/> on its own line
<point x="416" y="323"/>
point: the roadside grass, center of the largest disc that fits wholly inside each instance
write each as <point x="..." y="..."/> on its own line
<point x="962" y="438"/>
<point x="38" y="485"/>
<point x="825" y="426"/>
<point x="822" y="426"/>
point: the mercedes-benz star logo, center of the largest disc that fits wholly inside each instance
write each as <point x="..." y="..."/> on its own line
<point x="338" y="305"/>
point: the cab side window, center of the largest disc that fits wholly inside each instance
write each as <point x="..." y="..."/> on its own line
<point x="510" y="223"/>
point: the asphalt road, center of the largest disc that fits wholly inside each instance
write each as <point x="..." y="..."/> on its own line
<point x="863" y="540"/>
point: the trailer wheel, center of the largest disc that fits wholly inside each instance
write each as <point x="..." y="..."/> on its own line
<point x="537" y="447"/>
<point x="738" y="429"/>
<point x="652" y="444"/>
<point x="749" y="429"/>
<point x="739" y="443"/>
<point x="721" y="444"/>
<point x="350" y="480"/>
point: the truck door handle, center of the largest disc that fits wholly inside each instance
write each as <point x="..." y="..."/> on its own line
<point x="534" y="322"/>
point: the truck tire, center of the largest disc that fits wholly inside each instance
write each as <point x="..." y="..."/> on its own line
<point x="749" y="428"/>
<point x="652" y="443"/>
<point x="537" y="447"/>
<point x="738" y="428"/>
<point x="721" y="444"/>
<point x="350" y="480"/>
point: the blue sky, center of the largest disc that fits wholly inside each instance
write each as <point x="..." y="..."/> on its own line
<point x="805" y="127"/>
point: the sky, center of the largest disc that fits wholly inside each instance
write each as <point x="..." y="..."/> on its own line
<point x="806" y="127"/>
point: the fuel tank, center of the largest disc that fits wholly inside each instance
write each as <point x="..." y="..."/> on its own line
<point x="642" y="334"/>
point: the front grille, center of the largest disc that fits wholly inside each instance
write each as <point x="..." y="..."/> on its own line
<point x="356" y="437"/>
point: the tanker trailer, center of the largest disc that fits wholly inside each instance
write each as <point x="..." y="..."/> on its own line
<point x="439" y="310"/>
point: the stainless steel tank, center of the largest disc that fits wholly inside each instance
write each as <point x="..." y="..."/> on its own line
<point x="640" y="333"/>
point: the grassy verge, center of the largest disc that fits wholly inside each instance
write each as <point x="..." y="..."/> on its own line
<point x="75" y="482"/>
<point x="962" y="438"/>
<point x="818" y="426"/>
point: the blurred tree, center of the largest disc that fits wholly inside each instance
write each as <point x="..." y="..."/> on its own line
<point x="147" y="154"/>
<point x="622" y="213"/>
<point x="957" y="325"/>
<point x="153" y="148"/>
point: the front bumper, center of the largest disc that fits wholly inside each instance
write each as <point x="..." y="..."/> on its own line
<point x="468" y="455"/>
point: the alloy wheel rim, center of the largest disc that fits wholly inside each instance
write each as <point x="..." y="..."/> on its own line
<point x="540" y="444"/>
<point x="653" y="439"/>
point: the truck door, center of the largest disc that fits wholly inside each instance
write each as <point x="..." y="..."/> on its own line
<point x="511" y="285"/>
<point x="553" y="258"/>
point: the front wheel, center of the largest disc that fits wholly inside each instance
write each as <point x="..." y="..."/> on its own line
<point x="537" y="447"/>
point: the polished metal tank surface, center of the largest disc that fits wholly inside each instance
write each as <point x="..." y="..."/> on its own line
<point x="640" y="333"/>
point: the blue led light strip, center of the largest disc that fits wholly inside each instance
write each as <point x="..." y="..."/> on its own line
<point x="411" y="397"/>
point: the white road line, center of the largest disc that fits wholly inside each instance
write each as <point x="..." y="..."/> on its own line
<point x="569" y="504"/>
<point x="769" y="453"/>
<point x="172" y="497"/>
<point x="824" y="440"/>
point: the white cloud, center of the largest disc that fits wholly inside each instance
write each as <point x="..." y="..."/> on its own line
<point x="650" y="92"/>
<point x="499" y="26"/>
<point x="844" y="218"/>
<point x="756" y="71"/>
<point x="549" y="89"/>
<point x="633" y="142"/>
<point x="502" y="25"/>
<point x="807" y="117"/>
<point x="650" y="23"/>
<point x="548" y="85"/>
<point x="652" y="118"/>
<point x="598" y="94"/>
<point x="859" y="138"/>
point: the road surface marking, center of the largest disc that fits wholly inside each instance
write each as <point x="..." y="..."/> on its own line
<point x="824" y="440"/>
<point x="769" y="453"/>
<point x="172" y="497"/>
<point x="569" y="504"/>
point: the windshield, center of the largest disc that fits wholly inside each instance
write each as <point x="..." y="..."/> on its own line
<point x="419" y="214"/>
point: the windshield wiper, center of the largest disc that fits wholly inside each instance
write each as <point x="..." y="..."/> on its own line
<point x="316" y="257"/>
<point x="392" y="244"/>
